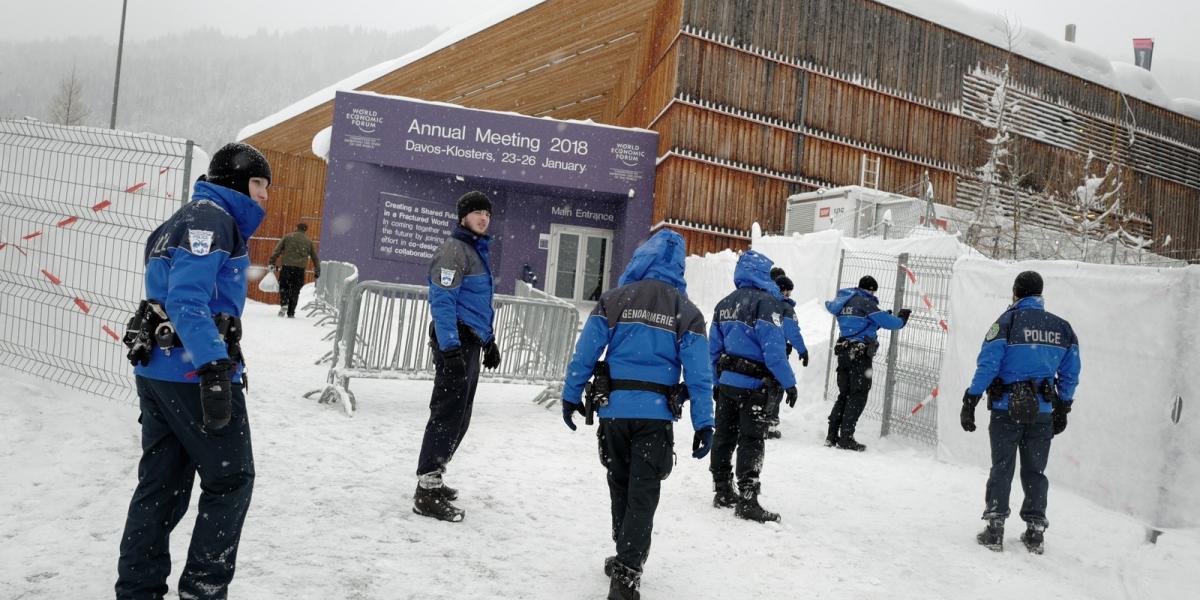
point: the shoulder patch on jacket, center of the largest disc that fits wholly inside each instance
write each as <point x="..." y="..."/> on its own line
<point x="993" y="332"/>
<point x="200" y="241"/>
<point x="447" y="277"/>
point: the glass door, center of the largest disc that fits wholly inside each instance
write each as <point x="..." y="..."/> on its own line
<point x="579" y="263"/>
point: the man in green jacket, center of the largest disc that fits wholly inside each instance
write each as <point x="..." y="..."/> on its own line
<point x="296" y="249"/>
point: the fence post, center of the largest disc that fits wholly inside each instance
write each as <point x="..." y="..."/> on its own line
<point x="833" y="329"/>
<point x="187" y="173"/>
<point x="889" y="389"/>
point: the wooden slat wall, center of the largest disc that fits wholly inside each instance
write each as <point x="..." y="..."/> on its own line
<point x="736" y="79"/>
<point x="1174" y="213"/>
<point x="698" y="192"/>
<point x="296" y="196"/>
<point x="653" y="95"/>
<point x="723" y="136"/>
<point x="703" y="242"/>
<point x="651" y="57"/>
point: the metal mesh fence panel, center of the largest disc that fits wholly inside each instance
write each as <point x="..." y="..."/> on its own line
<point x="76" y="207"/>
<point x="909" y="361"/>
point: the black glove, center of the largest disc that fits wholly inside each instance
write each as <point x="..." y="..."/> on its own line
<point x="491" y="355"/>
<point x="1059" y="415"/>
<point x="568" y="408"/>
<point x="904" y="314"/>
<point x="317" y="274"/>
<point x="702" y="442"/>
<point x="453" y="364"/>
<point x="216" y="393"/>
<point x="967" y="417"/>
<point x="803" y="358"/>
<point x="791" y="396"/>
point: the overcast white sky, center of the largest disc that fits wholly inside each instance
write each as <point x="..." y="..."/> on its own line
<point x="1105" y="26"/>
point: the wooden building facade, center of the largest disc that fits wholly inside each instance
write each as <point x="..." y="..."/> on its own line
<point x="754" y="102"/>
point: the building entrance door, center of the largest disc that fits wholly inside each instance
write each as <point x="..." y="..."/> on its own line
<point x="580" y="257"/>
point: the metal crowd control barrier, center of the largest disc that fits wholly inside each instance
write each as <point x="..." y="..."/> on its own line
<point x="909" y="361"/>
<point x="384" y="334"/>
<point x="336" y="281"/>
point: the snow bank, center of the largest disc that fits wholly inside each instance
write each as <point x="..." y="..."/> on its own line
<point x="1136" y="332"/>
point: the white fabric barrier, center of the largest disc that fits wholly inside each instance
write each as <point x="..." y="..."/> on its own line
<point x="1137" y="329"/>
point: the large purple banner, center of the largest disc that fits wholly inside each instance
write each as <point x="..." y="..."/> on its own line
<point x="443" y="138"/>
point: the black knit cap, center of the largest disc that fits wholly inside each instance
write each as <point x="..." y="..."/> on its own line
<point x="777" y="272"/>
<point x="868" y="283"/>
<point x="1028" y="283"/>
<point x="785" y="284"/>
<point x="235" y="164"/>
<point x="471" y="202"/>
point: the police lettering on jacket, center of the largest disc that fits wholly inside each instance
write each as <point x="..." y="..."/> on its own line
<point x="196" y="265"/>
<point x="1029" y="344"/>
<point x="858" y="315"/>
<point x="651" y="332"/>
<point x="749" y="324"/>
<point x="460" y="288"/>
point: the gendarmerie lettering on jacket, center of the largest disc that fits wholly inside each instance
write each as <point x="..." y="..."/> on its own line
<point x="653" y="303"/>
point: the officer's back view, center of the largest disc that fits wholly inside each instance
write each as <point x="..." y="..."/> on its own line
<point x="651" y="331"/>
<point x="748" y="350"/>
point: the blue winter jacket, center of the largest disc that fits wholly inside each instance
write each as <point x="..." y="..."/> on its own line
<point x="460" y="288"/>
<point x="749" y="323"/>
<point x="791" y="326"/>
<point x="858" y="315"/>
<point x="651" y="331"/>
<point x="196" y="265"/>
<point x="1029" y="344"/>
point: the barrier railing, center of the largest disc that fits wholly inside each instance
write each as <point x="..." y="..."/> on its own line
<point x="383" y="333"/>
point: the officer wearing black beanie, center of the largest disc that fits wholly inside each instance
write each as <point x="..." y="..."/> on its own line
<point x="234" y="165"/>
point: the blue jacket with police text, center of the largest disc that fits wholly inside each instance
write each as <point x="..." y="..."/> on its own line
<point x="749" y="323"/>
<point x="1029" y="344"/>
<point x="858" y="315"/>
<point x="196" y="265"/>
<point x="460" y="288"/>
<point x="651" y="331"/>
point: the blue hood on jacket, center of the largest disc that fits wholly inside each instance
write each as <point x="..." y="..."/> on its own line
<point x="662" y="257"/>
<point x="844" y="295"/>
<point x="247" y="213"/>
<point x="754" y="271"/>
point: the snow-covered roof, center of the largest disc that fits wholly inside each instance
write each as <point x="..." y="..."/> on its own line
<point x="1059" y="54"/>
<point x="503" y="11"/>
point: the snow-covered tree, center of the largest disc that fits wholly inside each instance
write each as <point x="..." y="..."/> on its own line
<point x="67" y="106"/>
<point x="1088" y="211"/>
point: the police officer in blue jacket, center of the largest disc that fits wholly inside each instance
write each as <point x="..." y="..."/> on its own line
<point x="1029" y="367"/>
<point x="460" y="300"/>
<point x="859" y="319"/>
<point x="184" y="344"/>
<point x="747" y="346"/>
<point x="791" y="331"/>
<point x="651" y="332"/>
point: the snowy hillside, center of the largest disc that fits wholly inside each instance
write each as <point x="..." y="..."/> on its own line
<point x="331" y="513"/>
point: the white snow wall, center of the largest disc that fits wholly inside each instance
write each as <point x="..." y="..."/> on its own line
<point x="1137" y="331"/>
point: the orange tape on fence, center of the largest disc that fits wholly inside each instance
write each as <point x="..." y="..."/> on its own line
<point x="30" y="236"/>
<point x="51" y="277"/>
<point x="135" y="187"/>
<point x="67" y="221"/>
<point x="111" y="333"/>
<point x="99" y="206"/>
<point x="83" y="306"/>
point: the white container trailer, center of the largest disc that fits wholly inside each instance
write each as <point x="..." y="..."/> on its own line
<point x="854" y="210"/>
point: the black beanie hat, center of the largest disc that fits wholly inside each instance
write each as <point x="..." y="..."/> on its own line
<point x="777" y="272"/>
<point x="1028" y="283"/>
<point x="235" y="164"/>
<point x="471" y="202"/>
<point x="785" y="284"/>
<point x="868" y="283"/>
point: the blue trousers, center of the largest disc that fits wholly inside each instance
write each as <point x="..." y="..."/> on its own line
<point x="175" y="447"/>
<point x="1032" y="443"/>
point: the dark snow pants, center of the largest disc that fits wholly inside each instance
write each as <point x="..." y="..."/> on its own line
<point x="1032" y="442"/>
<point x="854" y="385"/>
<point x="175" y="448"/>
<point x="449" y="411"/>
<point x="743" y="417"/>
<point x="639" y="454"/>
<point x="291" y="279"/>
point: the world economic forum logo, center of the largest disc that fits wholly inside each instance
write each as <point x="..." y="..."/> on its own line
<point x="365" y="119"/>
<point x="628" y="154"/>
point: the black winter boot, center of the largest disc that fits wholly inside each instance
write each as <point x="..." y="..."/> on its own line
<point x="608" y="565"/>
<point x="774" y="434"/>
<point x="428" y="502"/>
<point x="748" y="507"/>
<point x="1033" y="538"/>
<point x="847" y="442"/>
<point x="726" y="496"/>
<point x="831" y="438"/>
<point x="624" y="583"/>
<point x="992" y="537"/>
<point x="445" y="492"/>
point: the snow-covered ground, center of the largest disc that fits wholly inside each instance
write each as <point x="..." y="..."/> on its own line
<point x="331" y="513"/>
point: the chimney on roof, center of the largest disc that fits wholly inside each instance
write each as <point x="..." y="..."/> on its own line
<point x="1071" y="32"/>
